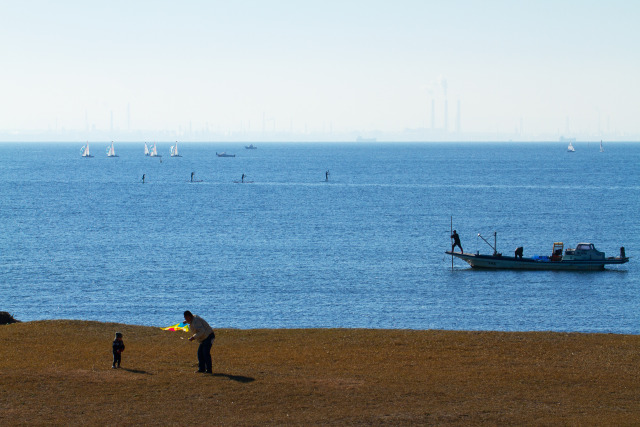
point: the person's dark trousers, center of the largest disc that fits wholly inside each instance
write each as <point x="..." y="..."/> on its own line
<point x="116" y="359"/>
<point x="204" y="354"/>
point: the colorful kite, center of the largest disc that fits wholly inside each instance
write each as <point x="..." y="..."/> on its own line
<point x="179" y="327"/>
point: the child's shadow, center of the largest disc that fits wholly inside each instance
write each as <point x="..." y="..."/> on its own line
<point x="136" y="371"/>
<point x="238" y="378"/>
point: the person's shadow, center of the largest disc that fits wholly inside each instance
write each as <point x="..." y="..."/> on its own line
<point x="136" y="371"/>
<point x="238" y="378"/>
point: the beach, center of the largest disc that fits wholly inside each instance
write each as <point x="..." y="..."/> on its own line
<point x="59" y="372"/>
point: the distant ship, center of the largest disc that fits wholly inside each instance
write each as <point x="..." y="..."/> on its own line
<point x="223" y="154"/>
<point x="570" y="148"/>
<point x="564" y="139"/>
<point x="361" y="139"/>
<point x="250" y="147"/>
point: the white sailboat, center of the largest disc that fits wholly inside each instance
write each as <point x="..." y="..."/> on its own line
<point x="85" y="151"/>
<point x="146" y="149"/>
<point x="111" y="152"/>
<point x="154" y="151"/>
<point x="570" y="148"/>
<point x="601" y="147"/>
<point x="174" y="150"/>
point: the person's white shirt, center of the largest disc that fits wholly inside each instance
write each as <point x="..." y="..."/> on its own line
<point x="200" y="328"/>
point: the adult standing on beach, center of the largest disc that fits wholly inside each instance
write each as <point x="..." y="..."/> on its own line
<point x="204" y="334"/>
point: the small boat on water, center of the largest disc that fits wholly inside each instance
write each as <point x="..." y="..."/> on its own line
<point x="146" y="150"/>
<point x="570" y="148"/>
<point x="85" y="151"/>
<point x="154" y="151"/>
<point x="250" y="147"/>
<point x="223" y="154"/>
<point x="174" y="150"/>
<point x="585" y="257"/>
<point x="111" y="152"/>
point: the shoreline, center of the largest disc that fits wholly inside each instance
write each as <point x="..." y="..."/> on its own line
<point x="58" y="371"/>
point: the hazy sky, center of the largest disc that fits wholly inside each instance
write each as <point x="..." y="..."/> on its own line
<point x="343" y="64"/>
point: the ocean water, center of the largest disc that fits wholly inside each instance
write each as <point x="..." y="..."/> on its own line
<point x="83" y="238"/>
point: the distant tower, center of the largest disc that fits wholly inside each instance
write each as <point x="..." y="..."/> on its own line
<point x="433" y="114"/>
<point x="446" y="115"/>
<point x="521" y="126"/>
<point x="458" y="117"/>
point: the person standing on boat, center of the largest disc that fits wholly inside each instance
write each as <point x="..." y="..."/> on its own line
<point x="243" y="175"/>
<point x="326" y="175"/>
<point x="204" y="334"/>
<point x="191" y="176"/>
<point x="456" y="241"/>
<point x="143" y="178"/>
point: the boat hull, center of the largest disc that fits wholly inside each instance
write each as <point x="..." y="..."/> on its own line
<point x="493" y="262"/>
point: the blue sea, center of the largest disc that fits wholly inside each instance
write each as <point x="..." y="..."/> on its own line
<point x="84" y="238"/>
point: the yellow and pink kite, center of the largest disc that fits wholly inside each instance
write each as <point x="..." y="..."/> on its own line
<point x="178" y="327"/>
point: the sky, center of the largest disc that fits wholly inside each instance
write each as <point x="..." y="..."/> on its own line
<point x="528" y="68"/>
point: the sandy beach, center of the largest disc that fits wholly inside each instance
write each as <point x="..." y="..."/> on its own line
<point x="59" y="372"/>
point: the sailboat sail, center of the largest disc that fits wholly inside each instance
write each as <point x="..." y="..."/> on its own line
<point x="85" y="151"/>
<point x="146" y="149"/>
<point x="601" y="147"/>
<point x="174" y="150"/>
<point x="111" y="152"/>
<point x="154" y="151"/>
<point x="570" y="148"/>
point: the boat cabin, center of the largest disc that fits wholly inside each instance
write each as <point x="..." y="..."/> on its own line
<point x="584" y="251"/>
<point x="556" y="253"/>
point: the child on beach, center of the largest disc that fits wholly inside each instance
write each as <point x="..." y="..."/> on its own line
<point x="118" y="348"/>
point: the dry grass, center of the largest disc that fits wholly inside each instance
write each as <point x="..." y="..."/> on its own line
<point x="59" y="372"/>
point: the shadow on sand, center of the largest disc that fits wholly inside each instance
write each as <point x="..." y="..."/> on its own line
<point x="238" y="378"/>
<point x="136" y="371"/>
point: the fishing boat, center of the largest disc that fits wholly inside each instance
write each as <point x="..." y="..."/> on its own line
<point x="601" y="147"/>
<point x="85" y="151"/>
<point x="154" y="151"/>
<point x="174" y="150"/>
<point x="223" y="154"/>
<point x="146" y="150"/>
<point x="584" y="257"/>
<point x="250" y="147"/>
<point x="570" y="148"/>
<point x="111" y="152"/>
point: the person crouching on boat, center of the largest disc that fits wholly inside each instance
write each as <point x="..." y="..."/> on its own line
<point x="456" y="241"/>
<point x="519" y="252"/>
